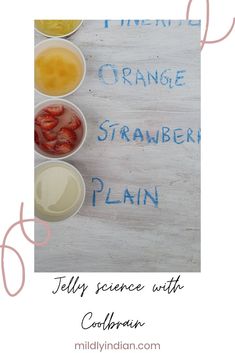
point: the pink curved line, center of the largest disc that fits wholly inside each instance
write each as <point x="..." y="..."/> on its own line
<point x="45" y="241"/>
<point x="4" y="273"/>
<point x="4" y="246"/>
<point x="188" y="9"/>
<point x="204" y="41"/>
<point x="224" y="37"/>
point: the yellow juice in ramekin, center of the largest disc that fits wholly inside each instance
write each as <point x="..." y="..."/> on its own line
<point x="59" y="68"/>
<point x="57" y="28"/>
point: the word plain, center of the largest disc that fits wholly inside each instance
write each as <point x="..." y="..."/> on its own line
<point x="141" y="196"/>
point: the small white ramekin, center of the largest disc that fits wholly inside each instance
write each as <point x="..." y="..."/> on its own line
<point x="63" y="35"/>
<point x="75" y="208"/>
<point x="63" y="43"/>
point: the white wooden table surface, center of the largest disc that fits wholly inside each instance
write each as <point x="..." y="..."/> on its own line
<point x="125" y="237"/>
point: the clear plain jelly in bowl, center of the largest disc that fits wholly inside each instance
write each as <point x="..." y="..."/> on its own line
<point x="59" y="191"/>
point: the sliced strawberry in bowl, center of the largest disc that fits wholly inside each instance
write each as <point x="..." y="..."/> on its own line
<point x="36" y="137"/>
<point x="46" y="122"/>
<point x="60" y="128"/>
<point x="49" y="135"/>
<point x="74" y="123"/>
<point x="66" y="135"/>
<point x="63" y="148"/>
<point x="48" y="146"/>
<point x="39" y="119"/>
<point x="55" y="110"/>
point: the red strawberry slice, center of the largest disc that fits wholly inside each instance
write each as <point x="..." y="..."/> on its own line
<point x="48" y="146"/>
<point x="50" y="135"/>
<point x="63" y="148"/>
<point x="36" y="138"/>
<point x="66" y="135"/>
<point x="39" y="118"/>
<point x="55" y="110"/>
<point x="46" y="122"/>
<point x="74" y="123"/>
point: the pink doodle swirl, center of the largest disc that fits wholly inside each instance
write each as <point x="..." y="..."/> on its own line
<point x="4" y="246"/>
<point x="204" y="39"/>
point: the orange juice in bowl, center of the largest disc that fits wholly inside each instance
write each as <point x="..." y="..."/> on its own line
<point x="60" y="67"/>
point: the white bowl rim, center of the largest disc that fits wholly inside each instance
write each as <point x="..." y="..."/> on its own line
<point x="64" y="101"/>
<point x="83" y="186"/>
<point x="83" y="60"/>
<point x="63" y="35"/>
